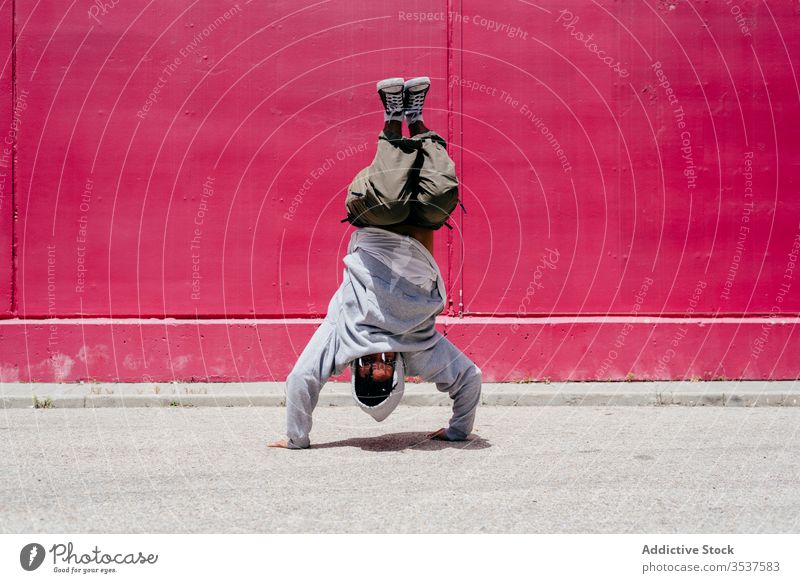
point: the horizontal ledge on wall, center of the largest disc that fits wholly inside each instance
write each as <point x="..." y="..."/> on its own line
<point x="443" y="320"/>
<point x="272" y="394"/>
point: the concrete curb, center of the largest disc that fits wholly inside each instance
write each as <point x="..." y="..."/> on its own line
<point x="272" y="394"/>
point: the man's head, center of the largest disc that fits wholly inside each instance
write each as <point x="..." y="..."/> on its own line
<point x="374" y="377"/>
<point x="378" y="383"/>
<point x="377" y="366"/>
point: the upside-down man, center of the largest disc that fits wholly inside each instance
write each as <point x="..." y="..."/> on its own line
<point x="381" y="320"/>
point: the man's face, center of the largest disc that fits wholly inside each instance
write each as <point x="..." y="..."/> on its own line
<point x="381" y="370"/>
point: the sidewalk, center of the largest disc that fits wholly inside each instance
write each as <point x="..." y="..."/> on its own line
<point x="525" y="469"/>
<point x="272" y="394"/>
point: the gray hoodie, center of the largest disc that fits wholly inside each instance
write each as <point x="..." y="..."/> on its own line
<point x="377" y="310"/>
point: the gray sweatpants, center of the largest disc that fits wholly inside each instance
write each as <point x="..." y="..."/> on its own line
<point x="418" y="169"/>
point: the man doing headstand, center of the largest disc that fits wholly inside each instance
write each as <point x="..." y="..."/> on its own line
<point x="381" y="320"/>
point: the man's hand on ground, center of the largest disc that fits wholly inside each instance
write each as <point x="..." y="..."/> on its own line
<point x="439" y="434"/>
<point x="284" y="443"/>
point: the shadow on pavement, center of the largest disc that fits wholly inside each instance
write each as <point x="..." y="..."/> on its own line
<point x="417" y="440"/>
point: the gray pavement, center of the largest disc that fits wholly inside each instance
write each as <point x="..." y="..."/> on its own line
<point x="528" y="469"/>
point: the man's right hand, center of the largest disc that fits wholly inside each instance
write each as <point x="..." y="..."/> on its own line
<point x="439" y="434"/>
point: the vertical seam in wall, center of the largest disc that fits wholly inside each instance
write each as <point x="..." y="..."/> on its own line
<point x="13" y="306"/>
<point x="454" y="66"/>
<point x="448" y="72"/>
<point x="460" y="156"/>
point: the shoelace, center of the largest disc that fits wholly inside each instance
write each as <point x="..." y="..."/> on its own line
<point x="394" y="101"/>
<point x="415" y="101"/>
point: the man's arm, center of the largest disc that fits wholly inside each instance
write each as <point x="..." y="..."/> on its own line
<point x="455" y="374"/>
<point x="465" y="402"/>
<point x="304" y="383"/>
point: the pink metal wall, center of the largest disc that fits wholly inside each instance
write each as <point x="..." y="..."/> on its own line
<point x="175" y="174"/>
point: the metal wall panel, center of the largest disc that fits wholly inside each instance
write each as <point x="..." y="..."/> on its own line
<point x="674" y="171"/>
<point x="629" y="171"/>
<point x="189" y="159"/>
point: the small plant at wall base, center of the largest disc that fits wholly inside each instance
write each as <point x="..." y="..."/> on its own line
<point x="46" y="403"/>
